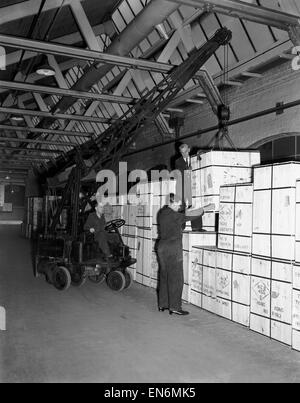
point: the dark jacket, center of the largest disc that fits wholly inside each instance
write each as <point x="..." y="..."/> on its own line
<point x="95" y="222"/>
<point x="184" y="189"/>
<point x="181" y="165"/>
<point x="171" y="222"/>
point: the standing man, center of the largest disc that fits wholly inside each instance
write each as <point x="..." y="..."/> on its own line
<point x="184" y="189"/>
<point x="170" y="253"/>
<point x="96" y="225"/>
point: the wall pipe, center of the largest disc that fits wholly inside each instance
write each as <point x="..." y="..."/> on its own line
<point x="217" y="127"/>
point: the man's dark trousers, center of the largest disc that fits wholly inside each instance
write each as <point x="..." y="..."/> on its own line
<point x="171" y="279"/>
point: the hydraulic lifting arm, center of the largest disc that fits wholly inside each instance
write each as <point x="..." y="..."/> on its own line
<point x="108" y="147"/>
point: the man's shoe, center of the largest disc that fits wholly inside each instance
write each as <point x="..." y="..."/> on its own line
<point x="181" y="312"/>
<point x="160" y="309"/>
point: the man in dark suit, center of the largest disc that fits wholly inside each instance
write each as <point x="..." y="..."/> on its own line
<point x="170" y="253"/>
<point x="184" y="186"/>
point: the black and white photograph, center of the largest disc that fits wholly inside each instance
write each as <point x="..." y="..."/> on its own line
<point x="150" y="194"/>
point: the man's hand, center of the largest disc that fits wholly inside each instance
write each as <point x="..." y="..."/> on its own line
<point x="92" y="230"/>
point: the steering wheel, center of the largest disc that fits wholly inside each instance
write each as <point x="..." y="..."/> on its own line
<point x="112" y="225"/>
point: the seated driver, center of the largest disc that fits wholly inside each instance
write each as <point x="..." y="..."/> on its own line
<point x="96" y="225"/>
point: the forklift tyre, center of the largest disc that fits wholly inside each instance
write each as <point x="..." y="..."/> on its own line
<point x="61" y="278"/>
<point x="116" y="280"/>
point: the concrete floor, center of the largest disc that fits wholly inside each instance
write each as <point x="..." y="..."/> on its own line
<point x="92" y="334"/>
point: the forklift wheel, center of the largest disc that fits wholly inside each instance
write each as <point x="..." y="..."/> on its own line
<point x="128" y="279"/>
<point x="61" y="278"/>
<point x="116" y="280"/>
<point x="97" y="279"/>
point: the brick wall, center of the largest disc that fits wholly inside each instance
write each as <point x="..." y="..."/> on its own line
<point x="280" y="84"/>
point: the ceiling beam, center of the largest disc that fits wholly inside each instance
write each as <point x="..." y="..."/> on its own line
<point x="27" y="9"/>
<point x="72" y="39"/>
<point x="46" y="131"/>
<point x="19" y="157"/>
<point x="25" y="167"/>
<point x="41" y="89"/>
<point x="39" y="141"/>
<point x="36" y="150"/>
<point x="241" y="9"/>
<point x="82" y="54"/>
<point x="18" y="171"/>
<point x="259" y="59"/>
<point x="84" y="25"/>
<point x="79" y="118"/>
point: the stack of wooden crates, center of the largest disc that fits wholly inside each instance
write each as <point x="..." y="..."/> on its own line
<point x="37" y="215"/>
<point x="253" y="276"/>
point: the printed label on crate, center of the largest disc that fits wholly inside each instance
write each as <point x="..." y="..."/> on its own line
<point x="260" y="296"/>
<point x="223" y="284"/>
<point x="225" y="242"/>
<point x="281" y="302"/>
<point x="226" y="218"/>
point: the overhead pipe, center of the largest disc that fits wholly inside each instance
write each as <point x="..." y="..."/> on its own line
<point x="234" y="122"/>
<point x="153" y="14"/>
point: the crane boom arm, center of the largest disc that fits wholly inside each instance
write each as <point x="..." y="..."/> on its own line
<point x="110" y="145"/>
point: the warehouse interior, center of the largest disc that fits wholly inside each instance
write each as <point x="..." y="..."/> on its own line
<point x="87" y="84"/>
